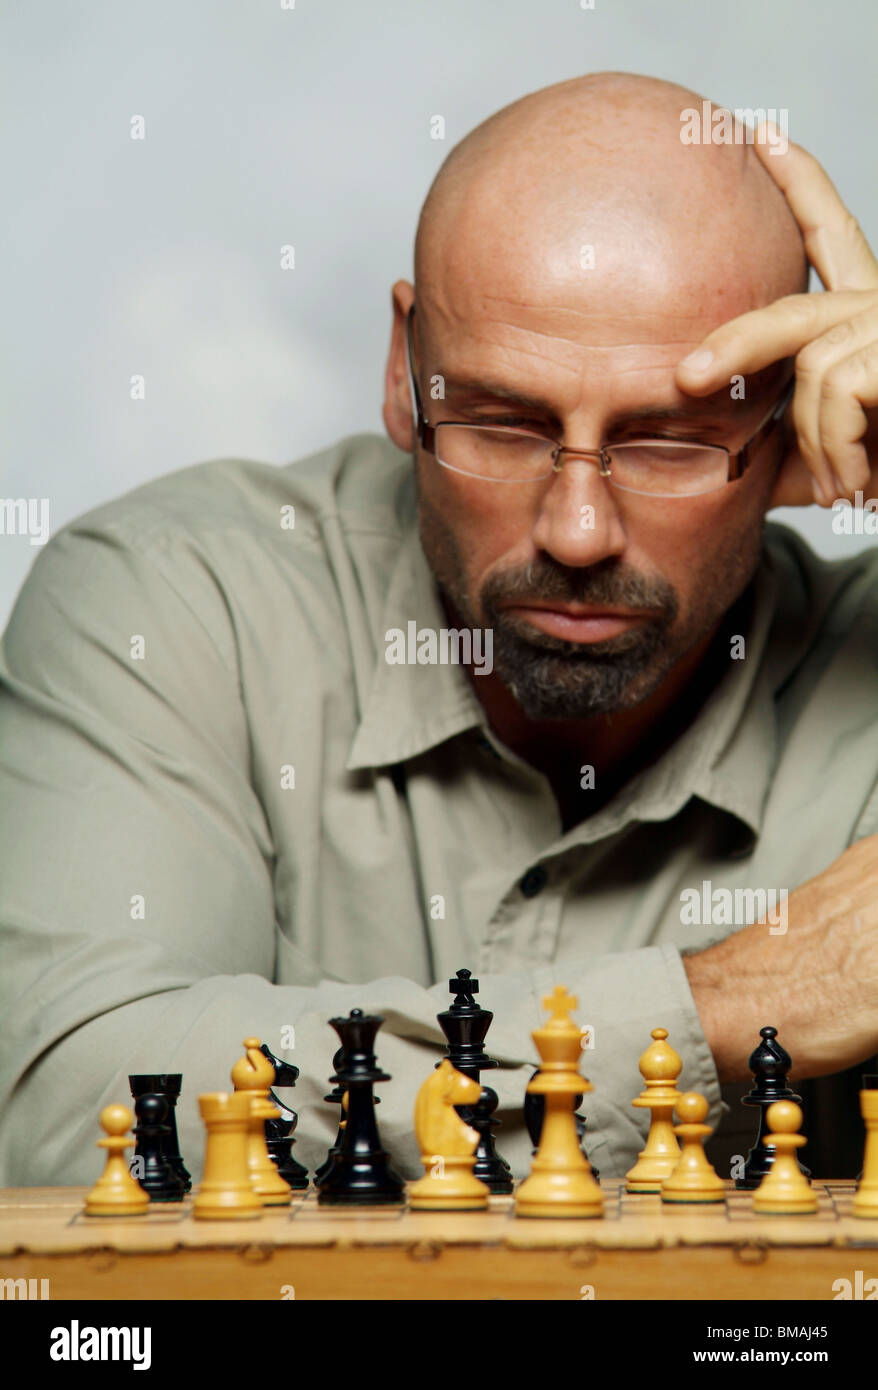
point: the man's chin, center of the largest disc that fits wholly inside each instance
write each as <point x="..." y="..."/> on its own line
<point x="548" y="686"/>
<point x="554" y="678"/>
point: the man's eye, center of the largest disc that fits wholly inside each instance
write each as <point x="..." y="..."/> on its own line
<point x="512" y="422"/>
<point x="658" y="436"/>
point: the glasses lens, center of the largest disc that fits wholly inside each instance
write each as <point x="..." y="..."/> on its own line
<point x="668" y="470"/>
<point x="498" y="454"/>
<point x="506" y="455"/>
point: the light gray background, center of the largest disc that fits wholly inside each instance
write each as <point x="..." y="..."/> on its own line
<point x="307" y="126"/>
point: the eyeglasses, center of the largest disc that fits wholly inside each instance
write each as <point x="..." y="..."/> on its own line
<point x="667" y="467"/>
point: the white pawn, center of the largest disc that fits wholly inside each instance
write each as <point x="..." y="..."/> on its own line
<point x="116" y="1192"/>
<point x="784" y="1191"/>
<point x="693" y="1178"/>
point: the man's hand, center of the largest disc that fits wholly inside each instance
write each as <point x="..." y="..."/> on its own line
<point x="833" y="336"/>
<point x="817" y="983"/>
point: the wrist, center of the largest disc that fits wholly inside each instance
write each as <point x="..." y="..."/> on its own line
<point x="735" y="994"/>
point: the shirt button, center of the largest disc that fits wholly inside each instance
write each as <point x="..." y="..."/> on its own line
<point x="486" y="746"/>
<point x="534" y="881"/>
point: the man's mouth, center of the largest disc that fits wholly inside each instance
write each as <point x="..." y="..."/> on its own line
<point x="575" y="622"/>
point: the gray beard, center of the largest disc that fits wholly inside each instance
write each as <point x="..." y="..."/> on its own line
<point x="551" y="678"/>
<point x="563" y="682"/>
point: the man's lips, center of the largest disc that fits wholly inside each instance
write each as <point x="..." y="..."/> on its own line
<point x="576" y="622"/>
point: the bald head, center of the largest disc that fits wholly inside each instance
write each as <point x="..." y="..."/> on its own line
<point x="679" y="231"/>
<point x="571" y="251"/>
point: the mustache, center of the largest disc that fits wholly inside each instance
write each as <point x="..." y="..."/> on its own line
<point x="607" y="582"/>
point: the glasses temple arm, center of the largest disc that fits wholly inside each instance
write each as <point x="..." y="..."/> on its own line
<point x="741" y="461"/>
<point x="415" y="395"/>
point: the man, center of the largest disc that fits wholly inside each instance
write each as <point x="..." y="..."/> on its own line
<point x="243" y="792"/>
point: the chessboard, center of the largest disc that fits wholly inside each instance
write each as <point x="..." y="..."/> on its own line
<point x="639" y="1249"/>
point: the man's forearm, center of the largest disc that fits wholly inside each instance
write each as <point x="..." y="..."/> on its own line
<point x="817" y="982"/>
<point x="49" y="1125"/>
<point x="736" y="993"/>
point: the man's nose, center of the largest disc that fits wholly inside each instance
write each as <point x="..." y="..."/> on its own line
<point x="579" y="522"/>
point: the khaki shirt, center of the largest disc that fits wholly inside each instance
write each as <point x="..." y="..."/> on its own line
<point x="223" y="813"/>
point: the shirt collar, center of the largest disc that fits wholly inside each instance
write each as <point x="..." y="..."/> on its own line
<point x="411" y="708"/>
<point x="726" y="756"/>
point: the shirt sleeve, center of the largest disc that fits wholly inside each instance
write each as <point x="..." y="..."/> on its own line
<point x="136" y="897"/>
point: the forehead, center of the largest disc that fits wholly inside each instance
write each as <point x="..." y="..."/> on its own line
<point x="619" y="318"/>
<point x="477" y="369"/>
<point x="750" y="387"/>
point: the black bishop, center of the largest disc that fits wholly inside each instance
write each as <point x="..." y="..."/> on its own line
<point x="769" y="1063"/>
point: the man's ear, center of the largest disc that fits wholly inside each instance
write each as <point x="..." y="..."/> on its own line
<point x="792" y="482"/>
<point x="397" y="410"/>
<point x="792" y="486"/>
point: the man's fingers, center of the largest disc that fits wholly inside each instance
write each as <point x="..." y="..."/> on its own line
<point x="794" y="484"/>
<point x="834" y="241"/>
<point x="833" y="337"/>
<point x="756" y="339"/>
<point x="836" y="380"/>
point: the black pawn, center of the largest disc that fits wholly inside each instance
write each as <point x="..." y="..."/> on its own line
<point x="154" y="1172"/>
<point x="534" y="1113"/>
<point x="465" y="1025"/>
<point x="335" y="1097"/>
<point x="769" y="1064"/>
<point x="360" y="1173"/>
<point x="165" y="1084"/>
<point x="279" y="1133"/>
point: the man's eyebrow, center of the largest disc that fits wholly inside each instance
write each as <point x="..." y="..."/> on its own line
<point x="483" y="386"/>
<point x="699" y="410"/>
